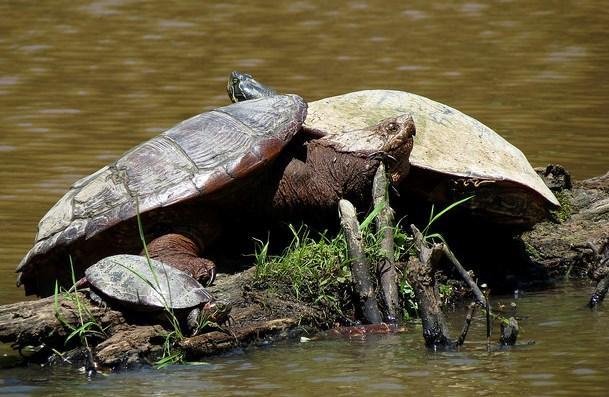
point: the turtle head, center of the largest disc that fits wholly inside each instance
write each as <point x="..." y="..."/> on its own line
<point x="390" y="139"/>
<point x="242" y="86"/>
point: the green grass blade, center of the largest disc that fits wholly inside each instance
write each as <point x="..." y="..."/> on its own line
<point x="434" y="218"/>
<point x="373" y="214"/>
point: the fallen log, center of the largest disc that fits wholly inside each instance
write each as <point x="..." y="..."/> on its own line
<point x="129" y="340"/>
<point x="561" y="247"/>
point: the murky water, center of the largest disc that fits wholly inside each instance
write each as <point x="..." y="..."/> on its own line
<point x="567" y="359"/>
<point x="81" y="82"/>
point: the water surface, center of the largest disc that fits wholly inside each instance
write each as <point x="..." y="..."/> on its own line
<point x="567" y="359"/>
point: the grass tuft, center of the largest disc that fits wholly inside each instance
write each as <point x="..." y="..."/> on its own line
<point x="313" y="270"/>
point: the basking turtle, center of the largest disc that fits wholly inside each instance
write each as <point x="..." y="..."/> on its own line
<point x="133" y="283"/>
<point x="454" y="155"/>
<point x="197" y="182"/>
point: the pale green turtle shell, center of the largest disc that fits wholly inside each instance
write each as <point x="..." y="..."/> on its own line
<point x="448" y="143"/>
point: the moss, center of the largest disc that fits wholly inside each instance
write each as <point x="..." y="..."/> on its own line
<point x="566" y="209"/>
<point x="532" y="252"/>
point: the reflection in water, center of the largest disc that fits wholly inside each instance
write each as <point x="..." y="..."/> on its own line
<point x="383" y="365"/>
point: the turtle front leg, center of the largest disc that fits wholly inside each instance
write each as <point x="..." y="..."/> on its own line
<point x="182" y="253"/>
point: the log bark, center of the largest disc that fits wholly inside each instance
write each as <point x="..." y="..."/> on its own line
<point x="360" y="269"/>
<point x="561" y="247"/>
<point x="384" y="225"/>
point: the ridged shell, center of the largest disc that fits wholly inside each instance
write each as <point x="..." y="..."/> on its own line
<point x="132" y="280"/>
<point x="447" y="140"/>
<point x="194" y="158"/>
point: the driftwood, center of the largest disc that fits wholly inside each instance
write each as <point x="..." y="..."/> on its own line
<point x="384" y="225"/>
<point x="422" y="271"/>
<point x="256" y="315"/>
<point x="360" y="270"/>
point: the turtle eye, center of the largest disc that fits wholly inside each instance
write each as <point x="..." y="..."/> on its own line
<point x="393" y="127"/>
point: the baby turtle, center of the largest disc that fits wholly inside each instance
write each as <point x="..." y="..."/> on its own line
<point x="133" y="283"/>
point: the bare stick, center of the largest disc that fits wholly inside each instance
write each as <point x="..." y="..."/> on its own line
<point x="359" y="265"/>
<point x="468" y="320"/>
<point x="422" y="269"/>
<point x="465" y="274"/>
<point x="384" y="223"/>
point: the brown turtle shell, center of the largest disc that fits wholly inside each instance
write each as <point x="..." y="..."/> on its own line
<point x="192" y="160"/>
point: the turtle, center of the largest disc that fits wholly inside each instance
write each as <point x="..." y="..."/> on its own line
<point x="198" y="182"/>
<point x="454" y="155"/>
<point x="138" y="284"/>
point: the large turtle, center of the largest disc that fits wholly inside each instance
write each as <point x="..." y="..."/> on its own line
<point x="137" y="284"/>
<point x="194" y="182"/>
<point x="454" y="155"/>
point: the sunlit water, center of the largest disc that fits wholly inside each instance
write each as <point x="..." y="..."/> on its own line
<point x="83" y="81"/>
<point x="568" y="358"/>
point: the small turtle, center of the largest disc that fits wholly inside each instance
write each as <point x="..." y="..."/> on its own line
<point x="133" y="283"/>
<point x="454" y="155"/>
<point x="233" y="168"/>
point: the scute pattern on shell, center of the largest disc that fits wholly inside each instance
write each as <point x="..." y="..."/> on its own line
<point x="447" y="140"/>
<point x="131" y="280"/>
<point x="195" y="158"/>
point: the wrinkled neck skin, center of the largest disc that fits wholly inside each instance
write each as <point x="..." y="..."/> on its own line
<point x="315" y="176"/>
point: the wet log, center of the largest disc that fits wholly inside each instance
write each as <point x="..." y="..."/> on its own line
<point x="360" y="270"/>
<point x="422" y="273"/>
<point x="561" y="247"/>
<point x="36" y="323"/>
<point x="130" y="339"/>
<point x="384" y="225"/>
